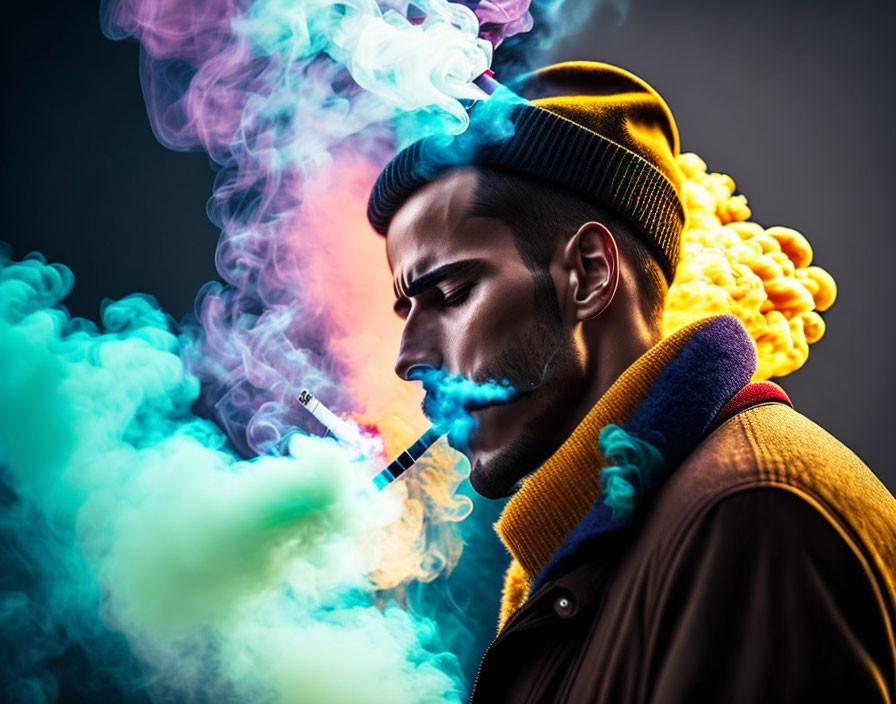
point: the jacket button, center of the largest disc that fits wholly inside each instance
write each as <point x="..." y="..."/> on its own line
<point x="564" y="606"/>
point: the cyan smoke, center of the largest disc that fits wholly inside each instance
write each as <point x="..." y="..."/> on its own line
<point x="551" y="20"/>
<point x="141" y="544"/>
<point x="635" y="467"/>
<point x="229" y="580"/>
<point x="450" y="398"/>
<point x="273" y="90"/>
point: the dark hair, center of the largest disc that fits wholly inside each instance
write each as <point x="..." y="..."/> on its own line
<point x="541" y="217"/>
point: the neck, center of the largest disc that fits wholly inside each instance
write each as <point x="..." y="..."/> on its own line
<point x="607" y="349"/>
<point x="666" y="400"/>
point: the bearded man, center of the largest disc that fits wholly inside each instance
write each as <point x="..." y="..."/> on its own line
<point x="678" y="533"/>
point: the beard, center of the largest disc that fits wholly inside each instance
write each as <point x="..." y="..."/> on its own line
<point x="544" y="357"/>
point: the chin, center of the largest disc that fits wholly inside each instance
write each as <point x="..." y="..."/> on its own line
<point x="483" y="484"/>
<point x="498" y="474"/>
<point x="502" y="450"/>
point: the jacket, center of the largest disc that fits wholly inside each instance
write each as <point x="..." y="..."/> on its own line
<point x="758" y="566"/>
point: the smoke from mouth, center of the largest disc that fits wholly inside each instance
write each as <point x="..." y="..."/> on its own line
<point x="450" y="400"/>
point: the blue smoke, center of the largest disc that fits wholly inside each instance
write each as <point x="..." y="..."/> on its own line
<point x="450" y="398"/>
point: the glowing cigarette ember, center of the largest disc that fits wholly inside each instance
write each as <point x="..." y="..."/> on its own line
<point x="344" y="432"/>
<point x="487" y="82"/>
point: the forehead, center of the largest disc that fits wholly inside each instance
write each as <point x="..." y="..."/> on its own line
<point x="434" y="227"/>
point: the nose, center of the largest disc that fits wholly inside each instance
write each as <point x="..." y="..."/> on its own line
<point x="419" y="348"/>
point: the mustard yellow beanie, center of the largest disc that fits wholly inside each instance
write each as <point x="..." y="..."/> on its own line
<point x="591" y="129"/>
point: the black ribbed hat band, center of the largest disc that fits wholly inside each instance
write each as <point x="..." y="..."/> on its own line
<point x="549" y="148"/>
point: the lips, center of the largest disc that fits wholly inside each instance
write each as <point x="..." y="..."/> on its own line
<point x="472" y="407"/>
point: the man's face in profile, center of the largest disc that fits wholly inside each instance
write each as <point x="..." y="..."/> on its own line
<point x="472" y="307"/>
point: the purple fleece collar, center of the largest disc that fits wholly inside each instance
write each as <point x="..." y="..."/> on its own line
<point x="715" y="363"/>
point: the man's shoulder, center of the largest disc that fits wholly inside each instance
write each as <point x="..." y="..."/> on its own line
<point x="808" y="611"/>
<point x="791" y="467"/>
<point x="773" y="445"/>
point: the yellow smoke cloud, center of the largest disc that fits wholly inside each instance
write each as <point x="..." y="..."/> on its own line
<point x="764" y="276"/>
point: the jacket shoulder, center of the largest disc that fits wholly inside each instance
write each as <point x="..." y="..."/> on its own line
<point x="774" y="447"/>
<point x="765" y="570"/>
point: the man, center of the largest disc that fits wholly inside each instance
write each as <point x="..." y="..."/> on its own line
<point x="678" y="534"/>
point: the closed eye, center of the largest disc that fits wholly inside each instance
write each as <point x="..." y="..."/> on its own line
<point x="458" y="297"/>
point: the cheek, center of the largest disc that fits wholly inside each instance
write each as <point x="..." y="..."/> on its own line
<point x="494" y="319"/>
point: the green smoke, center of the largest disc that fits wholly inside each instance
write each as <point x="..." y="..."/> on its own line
<point x="221" y="579"/>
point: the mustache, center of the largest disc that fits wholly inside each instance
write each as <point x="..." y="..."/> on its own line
<point x="432" y="401"/>
<point x="461" y="394"/>
<point x="522" y="368"/>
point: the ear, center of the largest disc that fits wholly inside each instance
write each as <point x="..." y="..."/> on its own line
<point x="592" y="259"/>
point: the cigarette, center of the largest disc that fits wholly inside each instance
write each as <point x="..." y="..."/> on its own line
<point x="403" y="462"/>
<point x="338" y="427"/>
<point x="486" y="81"/>
<point x="344" y="432"/>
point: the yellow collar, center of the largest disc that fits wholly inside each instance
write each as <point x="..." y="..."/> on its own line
<point x="554" y="500"/>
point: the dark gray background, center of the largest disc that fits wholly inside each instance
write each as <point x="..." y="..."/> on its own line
<point x="793" y="99"/>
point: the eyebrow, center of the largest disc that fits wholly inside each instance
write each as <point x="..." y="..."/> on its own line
<point x="426" y="281"/>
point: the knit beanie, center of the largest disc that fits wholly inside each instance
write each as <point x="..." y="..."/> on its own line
<point x="590" y="129"/>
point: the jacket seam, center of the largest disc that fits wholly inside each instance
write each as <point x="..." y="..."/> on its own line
<point x="832" y="516"/>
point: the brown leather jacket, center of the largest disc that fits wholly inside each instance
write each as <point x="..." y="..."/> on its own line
<point x="764" y="570"/>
